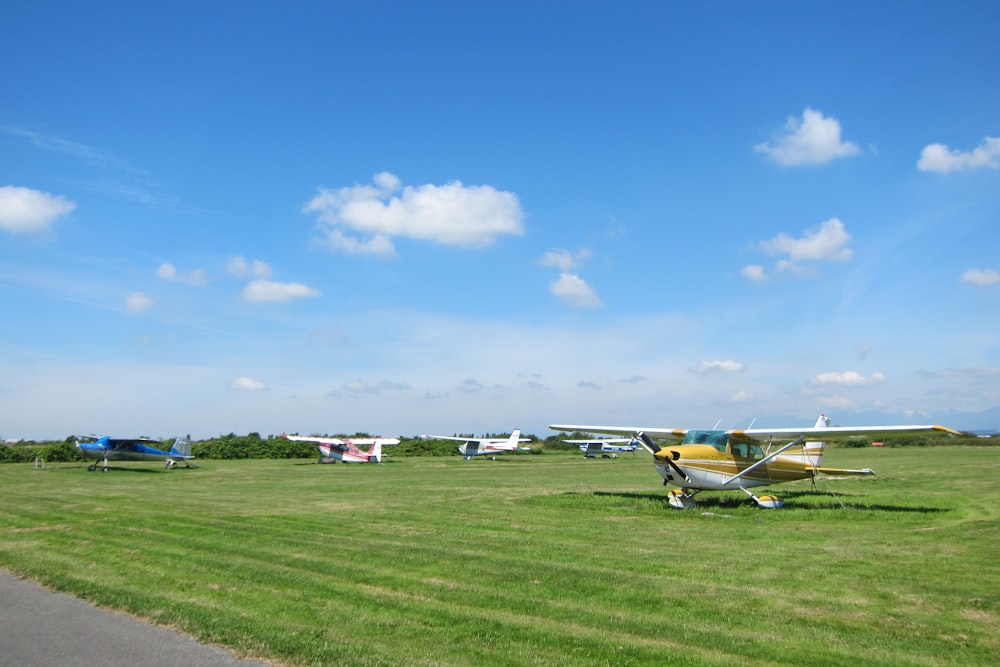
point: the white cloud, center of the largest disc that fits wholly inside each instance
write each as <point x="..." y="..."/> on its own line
<point x="938" y="157"/>
<point x="247" y="384"/>
<point x="564" y="260"/>
<point x="849" y="379"/>
<point x="753" y="272"/>
<point x="194" y="277"/>
<point x="575" y="291"/>
<point x="728" y="366"/>
<point x="360" y="386"/>
<point x="826" y="243"/>
<point x="240" y="268"/>
<point x="981" y="277"/>
<point x="27" y="211"/>
<point x="452" y="214"/>
<point x="267" y="290"/>
<point x="814" y="139"/>
<point x="138" y="302"/>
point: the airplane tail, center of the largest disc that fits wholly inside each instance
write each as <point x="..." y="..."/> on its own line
<point x="514" y="438"/>
<point x="182" y="446"/>
<point x="375" y="453"/>
<point x="811" y="453"/>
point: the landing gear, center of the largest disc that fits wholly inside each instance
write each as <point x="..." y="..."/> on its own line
<point x="767" y="502"/>
<point x="682" y="499"/>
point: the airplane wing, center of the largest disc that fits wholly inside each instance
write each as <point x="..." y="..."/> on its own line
<point x="449" y="437"/>
<point x="827" y="433"/>
<point x="814" y="433"/>
<point x="600" y="441"/>
<point x="335" y="443"/>
<point x="658" y="433"/>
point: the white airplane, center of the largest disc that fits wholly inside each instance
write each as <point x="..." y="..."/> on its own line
<point x="606" y="448"/>
<point x="479" y="446"/>
<point x="740" y="459"/>
<point x="346" y="449"/>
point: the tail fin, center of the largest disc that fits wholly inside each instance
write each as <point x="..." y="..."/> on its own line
<point x="811" y="452"/>
<point x="375" y="453"/>
<point x="512" y="441"/>
<point x="182" y="446"/>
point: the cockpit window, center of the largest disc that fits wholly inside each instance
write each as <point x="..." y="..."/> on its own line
<point x="716" y="439"/>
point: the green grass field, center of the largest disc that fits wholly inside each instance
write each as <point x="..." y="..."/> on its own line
<point x="528" y="560"/>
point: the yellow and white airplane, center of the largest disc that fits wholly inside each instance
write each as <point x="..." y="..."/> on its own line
<point x="741" y="459"/>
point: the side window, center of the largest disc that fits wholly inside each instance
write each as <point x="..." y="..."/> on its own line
<point x="756" y="453"/>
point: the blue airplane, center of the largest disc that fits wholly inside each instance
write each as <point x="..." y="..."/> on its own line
<point x="107" y="449"/>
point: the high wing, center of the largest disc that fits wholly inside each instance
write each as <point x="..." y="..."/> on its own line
<point x="761" y="434"/>
<point x="342" y="444"/>
<point x="658" y="433"/>
<point x="475" y="441"/>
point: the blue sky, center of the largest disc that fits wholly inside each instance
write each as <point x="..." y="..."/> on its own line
<point x="450" y="217"/>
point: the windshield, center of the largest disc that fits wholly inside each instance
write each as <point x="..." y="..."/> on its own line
<point x="716" y="439"/>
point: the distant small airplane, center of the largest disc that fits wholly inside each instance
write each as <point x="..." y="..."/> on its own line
<point x="606" y="448"/>
<point x="346" y="449"/>
<point x="724" y="460"/>
<point x="480" y="446"/>
<point x="107" y="449"/>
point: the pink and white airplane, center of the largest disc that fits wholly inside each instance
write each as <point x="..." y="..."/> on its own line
<point x="346" y="449"/>
<point x="479" y="446"/>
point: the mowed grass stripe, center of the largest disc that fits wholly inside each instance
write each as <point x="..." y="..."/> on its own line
<point x="532" y="560"/>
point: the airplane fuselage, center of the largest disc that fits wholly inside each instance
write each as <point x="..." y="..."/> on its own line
<point x="709" y="469"/>
<point x="136" y="452"/>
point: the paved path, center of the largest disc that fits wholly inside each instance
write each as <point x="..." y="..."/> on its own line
<point x="41" y="628"/>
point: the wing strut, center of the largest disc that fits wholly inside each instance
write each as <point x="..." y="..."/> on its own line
<point x="797" y="441"/>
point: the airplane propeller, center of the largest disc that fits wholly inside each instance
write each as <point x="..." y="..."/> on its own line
<point x="654" y="449"/>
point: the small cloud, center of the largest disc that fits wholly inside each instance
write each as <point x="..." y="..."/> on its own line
<point x="634" y="379"/>
<point x="815" y="139"/>
<point x="27" y="211"/>
<point x="564" y="260"/>
<point x="363" y="387"/>
<point x="849" y="379"/>
<point x="240" y="268"/>
<point x="740" y="397"/>
<point x="984" y="277"/>
<point x="864" y="351"/>
<point x="753" y="272"/>
<point x="587" y="384"/>
<point x="138" y="302"/>
<point x="363" y="219"/>
<point x="826" y="243"/>
<point x="940" y="158"/>
<point x="195" y="277"/>
<point x="709" y="367"/>
<point x="470" y="386"/>
<point x="266" y="290"/>
<point x="247" y="384"/>
<point x="575" y="291"/>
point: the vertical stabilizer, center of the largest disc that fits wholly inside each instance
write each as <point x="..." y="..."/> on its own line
<point x="811" y="453"/>
<point x="513" y="440"/>
<point x="375" y="453"/>
<point x="182" y="446"/>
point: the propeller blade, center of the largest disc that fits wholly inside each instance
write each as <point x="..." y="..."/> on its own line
<point x="655" y="449"/>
